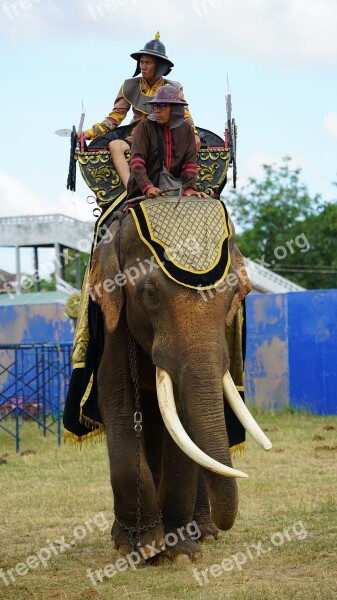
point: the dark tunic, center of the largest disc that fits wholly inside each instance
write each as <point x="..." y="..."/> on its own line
<point x="180" y="157"/>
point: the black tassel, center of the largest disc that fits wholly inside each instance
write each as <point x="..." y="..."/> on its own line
<point x="71" y="181"/>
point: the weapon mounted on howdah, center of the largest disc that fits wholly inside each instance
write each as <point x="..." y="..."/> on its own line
<point x="215" y="157"/>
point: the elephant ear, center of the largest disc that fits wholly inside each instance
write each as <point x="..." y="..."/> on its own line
<point x="104" y="284"/>
<point x="244" y="284"/>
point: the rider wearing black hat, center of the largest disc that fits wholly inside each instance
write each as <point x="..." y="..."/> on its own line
<point x="153" y="65"/>
<point x="157" y="49"/>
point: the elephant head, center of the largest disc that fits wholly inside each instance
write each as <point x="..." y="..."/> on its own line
<point x="182" y="352"/>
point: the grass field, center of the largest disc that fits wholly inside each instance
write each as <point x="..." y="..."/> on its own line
<point x="282" y="546"/>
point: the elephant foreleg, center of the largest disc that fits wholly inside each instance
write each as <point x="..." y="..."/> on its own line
<point x="117" y="410"/>
<point x="202" y="513"/>
<point x="153" y="434"/>
<point x="177" y="495"/>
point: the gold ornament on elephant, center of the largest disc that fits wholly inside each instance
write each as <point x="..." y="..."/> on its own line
<point x="72" y="305"/>
<point x="206" y="173"/>
<point x="104" y="174"/>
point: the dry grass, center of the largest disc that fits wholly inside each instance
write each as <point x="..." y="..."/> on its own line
<point x="46" y="494"/>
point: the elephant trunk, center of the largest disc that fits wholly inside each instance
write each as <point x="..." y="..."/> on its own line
<point x="204" y="419"/>
<point x="173" y="424"/>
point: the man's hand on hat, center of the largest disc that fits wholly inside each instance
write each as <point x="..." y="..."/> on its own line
<point x="153" y="192"/>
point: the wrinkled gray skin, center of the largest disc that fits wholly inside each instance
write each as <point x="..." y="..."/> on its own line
<point x="173" y="326"/>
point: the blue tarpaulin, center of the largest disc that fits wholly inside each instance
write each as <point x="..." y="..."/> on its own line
<point x="291" y="346"/>
<point x="292" y="351"/>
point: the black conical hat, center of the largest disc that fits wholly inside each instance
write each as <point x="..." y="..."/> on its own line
<point x="154" y="48"/>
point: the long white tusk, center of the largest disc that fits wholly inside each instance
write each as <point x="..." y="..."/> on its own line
<point x="173" y="424"/>
<point x="240" y="409"/>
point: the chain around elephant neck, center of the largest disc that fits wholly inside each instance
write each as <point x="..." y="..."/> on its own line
<point x="134" y="533"/>
<point x="137" y="419"/>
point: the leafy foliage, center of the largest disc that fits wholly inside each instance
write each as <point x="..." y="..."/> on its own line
<point x="70" y="266"/>
<point x="286" y="229"/>
<point x="49" y="284"/>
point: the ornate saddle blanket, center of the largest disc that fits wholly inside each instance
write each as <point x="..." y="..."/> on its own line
<point x="188" y="238"/>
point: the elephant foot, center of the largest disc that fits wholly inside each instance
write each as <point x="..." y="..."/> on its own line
<point x="209" y="532"/>
<point x="151" y="543"/>
<point x="183" y="552"/>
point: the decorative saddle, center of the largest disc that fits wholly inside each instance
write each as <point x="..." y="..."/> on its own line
<point x="100" y="175"/>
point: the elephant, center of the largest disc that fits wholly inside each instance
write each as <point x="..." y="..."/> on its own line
<point x="184" y="472"/>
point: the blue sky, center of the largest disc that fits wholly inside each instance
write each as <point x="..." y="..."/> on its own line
<point x="280" y="57"/>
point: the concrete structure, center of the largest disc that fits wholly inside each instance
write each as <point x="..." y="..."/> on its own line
<point x="62" y="232"/>
<point x="266" y="281"/>
<point x="56" y="231"/>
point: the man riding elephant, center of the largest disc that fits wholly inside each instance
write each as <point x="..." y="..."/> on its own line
<point x="154" y="65"/>
<point x="164" y="142"/>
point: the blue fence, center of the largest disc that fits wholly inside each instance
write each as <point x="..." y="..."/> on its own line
<point x="312" y="351"/>
<point x="34" y="324"/>
<point x="292" y="351"/>
<point x="34" y="379"/>
<point x="291" y="358"/>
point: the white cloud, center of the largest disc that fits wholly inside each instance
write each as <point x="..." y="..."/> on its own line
<point x="281" y="32"/>
<point x="253" y="165"/>
<point x="330" y="123"/>
<point x="18" y="200"/>
<point x="310" y="175"/>
<point x="30" y="19"/>
<point x="308" y="167"/>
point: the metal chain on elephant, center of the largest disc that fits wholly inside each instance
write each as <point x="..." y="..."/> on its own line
<point x="137" y="419"/>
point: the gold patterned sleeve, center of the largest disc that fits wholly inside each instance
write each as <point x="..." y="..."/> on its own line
<point x="117" y="115"/>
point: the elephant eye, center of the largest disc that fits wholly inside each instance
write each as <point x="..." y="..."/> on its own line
<point x="150" y="295"/>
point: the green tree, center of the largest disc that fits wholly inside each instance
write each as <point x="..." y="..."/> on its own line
<point x="285" y="228"/>
<point x="316" y="269"/>
<point x="49" y="284"/>
<point x="70" y="265"/>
